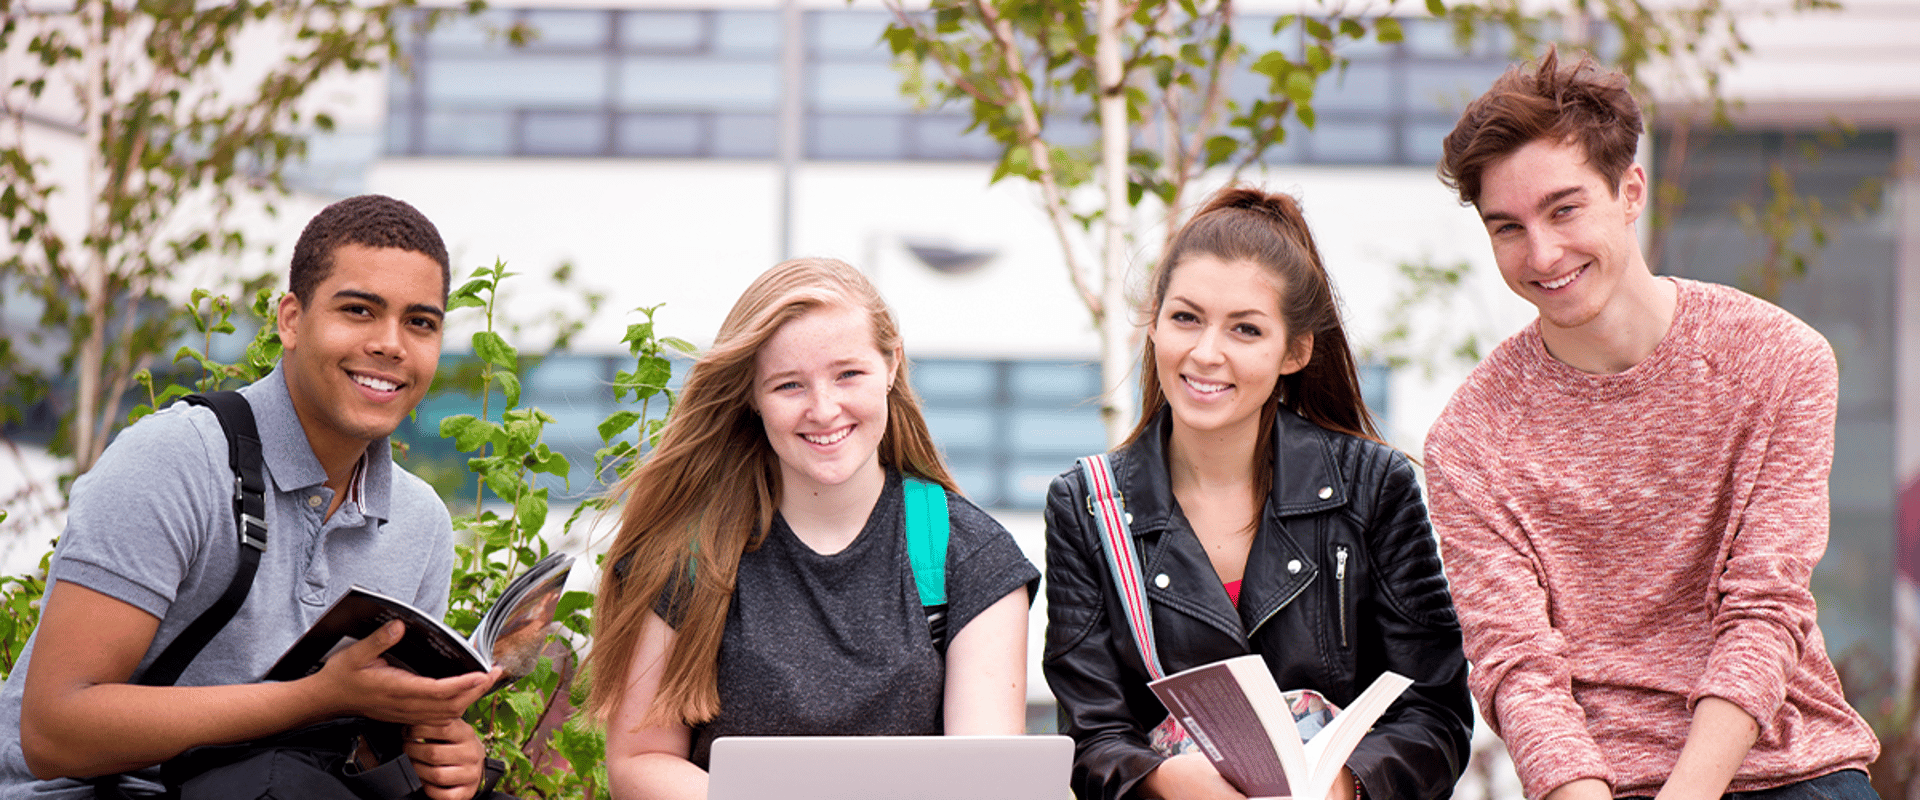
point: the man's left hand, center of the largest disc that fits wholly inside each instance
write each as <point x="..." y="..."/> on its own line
<point x="448" y="758"/>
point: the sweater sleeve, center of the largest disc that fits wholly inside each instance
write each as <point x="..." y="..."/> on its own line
<point x="1522" y="675"/>
<point x="1763" y="608"/>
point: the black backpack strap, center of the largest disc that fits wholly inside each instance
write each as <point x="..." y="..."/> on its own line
<point x="250" y="519"/>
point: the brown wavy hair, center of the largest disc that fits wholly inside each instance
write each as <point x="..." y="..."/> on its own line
<point x="1268" y="229"/>
<point x="709" y="491"/>
<point x="1582" y="102"/>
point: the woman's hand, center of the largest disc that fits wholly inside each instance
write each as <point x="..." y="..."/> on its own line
<point x="1190" y="776"/>
<point x="1342" y="788"/>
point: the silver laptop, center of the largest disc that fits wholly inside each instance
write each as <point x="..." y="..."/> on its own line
<point x="890" y="768"/>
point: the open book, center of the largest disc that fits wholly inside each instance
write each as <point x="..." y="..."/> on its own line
<point x="1240" y="719"/>
<point x="510" y="635"/>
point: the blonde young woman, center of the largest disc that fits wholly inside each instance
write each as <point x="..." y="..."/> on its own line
<point x="760" y="581"/>
<point x="1267" y="517"/>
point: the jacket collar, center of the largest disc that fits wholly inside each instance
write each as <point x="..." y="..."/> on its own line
<point x="1307" y="480"/>
<point x="1306" y="475"/>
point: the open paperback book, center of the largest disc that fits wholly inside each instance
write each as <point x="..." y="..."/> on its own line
<point x="510" y="635"/>
<point x="1247" y="727"/>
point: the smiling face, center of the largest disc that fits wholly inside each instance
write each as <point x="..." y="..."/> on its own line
<point x="361" y="354"/>
<point x="1220" y="344"/>
<point x="1563" y="238"/>
<point x="820" y="387"/>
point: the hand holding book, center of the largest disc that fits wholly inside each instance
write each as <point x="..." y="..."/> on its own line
<point x="1253" y="733"/>
<point x="509" y="636"/>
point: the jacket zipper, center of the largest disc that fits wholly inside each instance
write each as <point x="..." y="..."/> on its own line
<point x="1340" y="578"/>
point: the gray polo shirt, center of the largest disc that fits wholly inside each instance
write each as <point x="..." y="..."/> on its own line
<point x="152" y="525"/>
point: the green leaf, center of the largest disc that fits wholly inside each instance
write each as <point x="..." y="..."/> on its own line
<point x="495" y="350"/>
<point x="1319" y="59"/>
<point x="1299" y="86"/>
<point x="467" y="431"/>
<point x="532" y="510"/>
<point x="1387" y="30"/>
<point x="616" y="423"/>
<point x="651" y="375"/>
<point x="1437" y="8"/>
<point x="1220" y="148"/>
<point x="509" y="386"/>
<point x="1273" y="64"/>
<point x="681" y="345"/>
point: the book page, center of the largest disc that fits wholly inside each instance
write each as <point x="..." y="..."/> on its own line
<point x="1329" y="750"/>
<point x="515" y="628"/>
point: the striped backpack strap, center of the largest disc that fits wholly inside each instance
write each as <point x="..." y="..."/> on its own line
<point x="1108" y="507"/>
<point x="928" y="529"/>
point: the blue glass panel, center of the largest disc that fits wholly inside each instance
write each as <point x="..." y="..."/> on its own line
<point x="1374" y="383"/>
<point x="1361" y="86"/>
<point x="1448" y="87"/>
<point x="1030" y="478"/>
<point x="658" y="81"/>
<point x="1257" y="34"/>
<point x="576" y="377"/>
<point x="976" y="482"/>
<point x="746" y="32"/>
<point x="456" y="133"/>
<point x="864" y="137"/>
<point x="660" y="134"/>
<point x="567" y="28"/>
<point x="947" y="381"/>
<point x="960" y="429"/>
<point x="1069" y="433"/>
<point x="1352" y="143"/>
<point x="549" y="81"/>
<point x="1424" y="140"/>
<point x="855" y="87"/>
<point x="843" y="33"/>
<point x="1054" y="382"/>
<point x="563" y="134"/>
<point x="662" y="31"/>
<point x="934" y="135"/>
<point x="745" y="136"/>
<point x="468" y="33"/>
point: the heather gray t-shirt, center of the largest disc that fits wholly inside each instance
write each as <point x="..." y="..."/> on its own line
<point x="838" y="644"/>
<point x="152" y="525"/>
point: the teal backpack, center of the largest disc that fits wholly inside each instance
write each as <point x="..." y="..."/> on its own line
<point x="928" y="529"/>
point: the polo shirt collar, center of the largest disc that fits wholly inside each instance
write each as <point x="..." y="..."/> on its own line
<point x="291" y="464"/>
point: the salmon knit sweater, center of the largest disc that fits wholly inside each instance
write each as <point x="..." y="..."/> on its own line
<point x="1620" y="546"/>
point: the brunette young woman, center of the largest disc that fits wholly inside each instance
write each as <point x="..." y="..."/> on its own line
<point x="1267" y="517"/>
<point x="760" y="581"/>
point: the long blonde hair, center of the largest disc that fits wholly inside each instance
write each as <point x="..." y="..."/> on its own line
<point x="709" y="491"/>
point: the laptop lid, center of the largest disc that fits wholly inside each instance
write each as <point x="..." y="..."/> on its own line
<point x="890" y="768"/>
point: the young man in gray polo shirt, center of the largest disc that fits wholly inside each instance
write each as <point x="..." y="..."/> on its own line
<point x="150" y="540"/>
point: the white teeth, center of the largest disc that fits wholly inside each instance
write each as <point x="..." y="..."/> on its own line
<point x="829" y="438"/>
<point x="1206" y="387"/>
<point x="375" y="383"/>
<point x="1563" y="281"/>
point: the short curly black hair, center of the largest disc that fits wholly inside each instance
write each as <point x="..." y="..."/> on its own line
<point x="370" y="220"/>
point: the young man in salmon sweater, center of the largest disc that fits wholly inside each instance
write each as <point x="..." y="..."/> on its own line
<point x="1631" y="492"/>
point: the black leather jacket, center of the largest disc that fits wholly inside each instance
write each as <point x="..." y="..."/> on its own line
<point x="1343" y="582"/>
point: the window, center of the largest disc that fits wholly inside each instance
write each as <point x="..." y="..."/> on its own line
<point x="706" y="83"/>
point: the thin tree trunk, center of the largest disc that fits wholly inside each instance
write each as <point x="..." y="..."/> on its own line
<point x="93" y="283"/>
<point x="1114" y="319"/>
